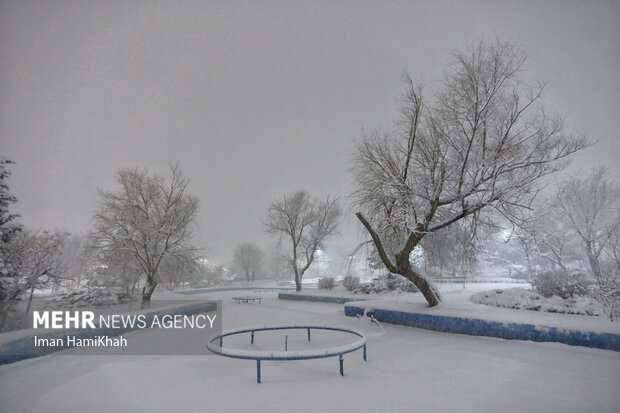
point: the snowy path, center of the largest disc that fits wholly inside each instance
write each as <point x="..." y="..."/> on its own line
<point x="408" y="370"/>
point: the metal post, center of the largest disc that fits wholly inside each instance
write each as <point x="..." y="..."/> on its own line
<point x="252" y="337"/>
<point x="308" y="334"/>
<point x="365" y="352"/>
<point x="341" y="360"/>
<point x="285" y="343"/>
<point x="258" y="371"/>
<point x="221" y="342"/>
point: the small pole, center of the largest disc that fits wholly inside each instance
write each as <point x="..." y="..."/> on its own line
<point x="252" y="337"/>
<point x="221" y="342"/>
<point x="308" y="334"/>
<point x="258" y="371"/>
<point x="285" y="343"/>
<point x="365" y="352"/>
<point x="341" y="360"/>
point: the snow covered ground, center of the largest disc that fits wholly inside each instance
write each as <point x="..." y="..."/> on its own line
<point x="408" y="369"/>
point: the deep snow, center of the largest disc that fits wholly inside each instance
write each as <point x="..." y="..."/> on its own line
<point x="408" y="369"/>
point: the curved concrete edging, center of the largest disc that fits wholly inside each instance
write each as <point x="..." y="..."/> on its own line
<point x="476" y="327"/>
<point x="316" y="298"/>
<point x="23" y="348"/>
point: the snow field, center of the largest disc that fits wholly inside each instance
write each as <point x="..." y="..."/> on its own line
<point x="408" y="370"/>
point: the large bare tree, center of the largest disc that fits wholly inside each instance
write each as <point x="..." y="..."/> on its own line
<point x="306" y="223"/>
<point x="481" y="143"/>
<point x="150" y="218"/>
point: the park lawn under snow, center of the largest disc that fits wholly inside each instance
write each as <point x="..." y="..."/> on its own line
<point x="408" y="369"/>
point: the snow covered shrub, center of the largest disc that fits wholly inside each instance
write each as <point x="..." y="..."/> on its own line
<point x="561" y="283"/>
<point x="518" y="272"/>
<point x="326" y="283"/>
<point x="350" y="282"/>
<point x="522" y="299"/>
<point x="92" y="297"/>
<point x="387" y="282"/>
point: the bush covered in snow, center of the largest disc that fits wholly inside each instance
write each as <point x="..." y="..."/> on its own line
<point x="326" y="283"/>
<point x="561" y="283"/>
<point x="350" y="282"/>
<point x="520" y="298"/>
<point x="385" y="283"/>
<point x="92" y="297"/>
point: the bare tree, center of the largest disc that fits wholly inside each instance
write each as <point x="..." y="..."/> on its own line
<point x="481" y="144"/>
<point x="590" y="206"/>
<point x="8" y="229"/>
<point x="250" y="259"/>
<point x="150" y="218"/>
<point x="306" y="223"/>
<point x="115" y="268"/>
<point x="591" y="210"/>
<point x="36" y="259"/>
<point x="549" y="234"/>
<point x="277" y="263"/>
<point x="608" y="283"/>
<point x="177" y="270"/>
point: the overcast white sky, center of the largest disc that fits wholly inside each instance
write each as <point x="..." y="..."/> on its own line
<point x="257" y="99"/>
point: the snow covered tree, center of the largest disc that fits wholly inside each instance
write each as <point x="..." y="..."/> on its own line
<point x="179" y="269"/>
<point x="36" y="259"/>
<point x="150" y="218"/>
<point x="306" y="223"/>
<point x="115" y="268"/>
<point x="249" y="259"/>
<point x="481" y="143"/>
<point x="590" y="207"/>
<point x="8" y="227"/>
<point x="549" y="233"/>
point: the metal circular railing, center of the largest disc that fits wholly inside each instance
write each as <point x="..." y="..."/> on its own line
<point x="286" y="355"/>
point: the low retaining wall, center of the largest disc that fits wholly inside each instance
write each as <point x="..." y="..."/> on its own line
<point x="316" y="298"/>
<point x="475" y="327"/>
<point x="23" y="348"/>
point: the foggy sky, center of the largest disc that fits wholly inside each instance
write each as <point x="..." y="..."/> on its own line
<point x="258" y="99"/>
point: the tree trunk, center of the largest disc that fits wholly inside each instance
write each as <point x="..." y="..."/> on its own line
<point x="147" y="292"/>
<point x="593" y="260"/>
<point x="426" y="288"/>
<point x="297" y="281"/>
<point x="30" y="298"/>
<point x="403" y="266"/>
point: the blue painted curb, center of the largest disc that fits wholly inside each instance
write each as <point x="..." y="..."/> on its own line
<point x="316" y="298"/>
<point x="475" y="327"/>
<point x="23" y="347"/>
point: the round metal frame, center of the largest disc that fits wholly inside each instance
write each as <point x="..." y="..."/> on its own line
<point x="286" y="355"/>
